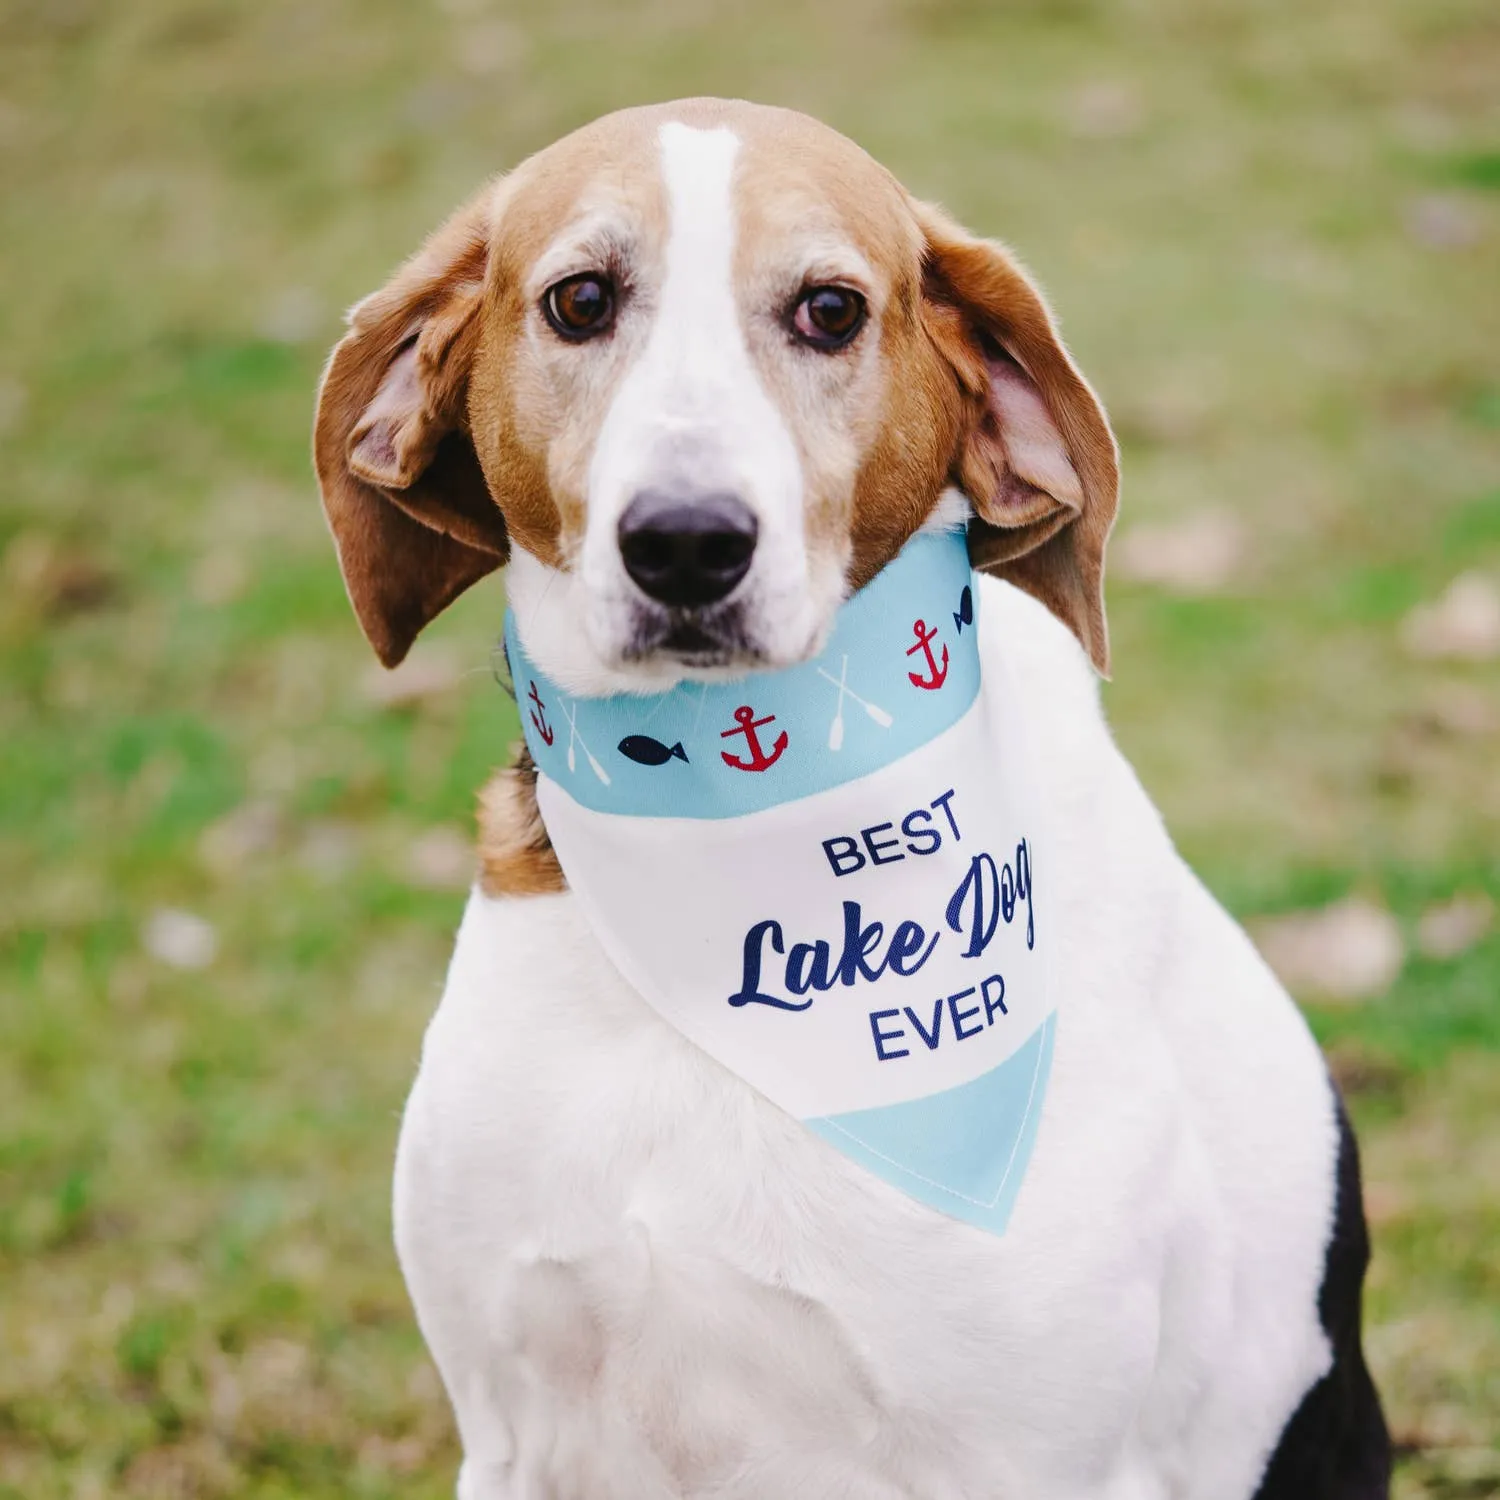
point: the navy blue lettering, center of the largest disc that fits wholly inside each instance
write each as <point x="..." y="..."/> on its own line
<point x="943" y="802"/>
<point x="749" y="992"/>
<point x="931" y="834"/>
<point x="960" y="1016"/>
<point x="995" y="1002"/>
<point x="906" y="943"/>
<point x="839" y="858"/>
<point x="859" y="943"/>
<point x="1023" y="888"/>
<point x="977" y="892"/>
<point x="807" y="968"/>
<point x="929" y="1037"/>
<point x="877" y="849"/>
<point x="1007" y="893"/>
<point x="882" y="1037"/>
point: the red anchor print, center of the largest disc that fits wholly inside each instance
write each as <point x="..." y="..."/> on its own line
<point x="938" y="675"/>
<point x="759" y="760"/>
<point x="538" y="717"/>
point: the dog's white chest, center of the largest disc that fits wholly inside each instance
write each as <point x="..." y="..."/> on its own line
<point x="662" y="1271"/>
<point x="641" y="1279"/>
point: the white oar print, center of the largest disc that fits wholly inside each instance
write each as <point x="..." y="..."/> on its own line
<point x="841" y="682"/>
<point x="570" y="712"/>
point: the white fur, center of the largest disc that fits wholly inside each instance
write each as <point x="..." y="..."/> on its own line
<point x="641" y="1280"/>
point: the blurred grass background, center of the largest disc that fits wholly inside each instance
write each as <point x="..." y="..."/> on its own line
<point x="230" y="865"/>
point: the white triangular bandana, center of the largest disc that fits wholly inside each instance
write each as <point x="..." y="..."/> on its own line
<point x="826" y="878"/>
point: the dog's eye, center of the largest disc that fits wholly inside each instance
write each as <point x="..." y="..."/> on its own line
<point x="828" y="317"/>
<point x="580" y="307"/>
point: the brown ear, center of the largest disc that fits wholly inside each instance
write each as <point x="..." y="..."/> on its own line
<point x="411" y="515"/>
<point x="1037" y="459"/>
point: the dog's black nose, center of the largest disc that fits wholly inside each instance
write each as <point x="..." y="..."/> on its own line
<point x="687" y="552"/>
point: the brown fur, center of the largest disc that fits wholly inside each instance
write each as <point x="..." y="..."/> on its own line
<point x="533" y="427"/>
<point x="450" y="428"/>
<point x="515" y="855"/>
<point x="411" y="516"/>
<point x="1043" y="539"/>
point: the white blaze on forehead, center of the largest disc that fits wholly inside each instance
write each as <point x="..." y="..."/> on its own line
<point x="699" y="320"/>
<point x="692" y="413"/>
<point x="691" y="416"/>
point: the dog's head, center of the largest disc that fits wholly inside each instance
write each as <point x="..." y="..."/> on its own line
<point x="698" y="371"/>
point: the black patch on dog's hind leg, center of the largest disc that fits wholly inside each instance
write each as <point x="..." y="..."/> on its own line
<point x="1336" y="1446"/>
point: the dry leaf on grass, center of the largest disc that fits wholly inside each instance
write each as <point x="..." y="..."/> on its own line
<point x="1358" y="1069"/>
<point x="1349" y="951"/>
<point x="380" y="1455"/>
<point x="293" y="316"/>
<point x="429" y="672"/>
<point x="441" y="859"/>
<point x="179" y="939"/>
<point x="1461" y="709"/>
<point x="1443" y="221"/>
<point x="1195" y="554"/>
<point x="1464" y="625"/>
<point x="55" y="579"/>
<point x="488" y="48"/>
<point x="197" y="1468"/>
<point x="1105" y="110"/>
<point x="1453" y="927"/>
<point x="220" y="577"/>
<point x="252" y="829"/>
<point x="13" y="398"/>
<point x="328" y="849"/>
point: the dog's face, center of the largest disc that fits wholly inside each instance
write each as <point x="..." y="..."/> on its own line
<point x="698" y="371"/>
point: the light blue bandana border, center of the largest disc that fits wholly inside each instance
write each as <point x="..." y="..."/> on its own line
<point x="859" y="705"/>
<point x="941" y="1150"/>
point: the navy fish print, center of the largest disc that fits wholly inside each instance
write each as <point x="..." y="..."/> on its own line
<point x="965" y="612"/>
<point x="645" y="751"/>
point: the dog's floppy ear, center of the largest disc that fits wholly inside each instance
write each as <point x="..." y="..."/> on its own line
<point x="411" y="515"/>
<point x="1036" y="459"/>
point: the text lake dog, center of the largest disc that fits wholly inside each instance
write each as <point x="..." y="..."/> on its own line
<point x="841" y="1087"/>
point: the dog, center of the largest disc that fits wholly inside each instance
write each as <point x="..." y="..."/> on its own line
<point x="697" y="374"/>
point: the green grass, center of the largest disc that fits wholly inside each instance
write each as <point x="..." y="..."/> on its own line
<point x="197" y="1293"/>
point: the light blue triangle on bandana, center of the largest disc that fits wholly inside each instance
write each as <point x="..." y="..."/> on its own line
<point x="832" y="878"/>
<point x="949" y="1150"/>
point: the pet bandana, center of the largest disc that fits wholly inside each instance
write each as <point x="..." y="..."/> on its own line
<point x="827" y="878"/>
